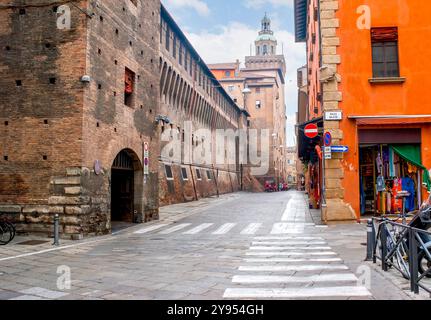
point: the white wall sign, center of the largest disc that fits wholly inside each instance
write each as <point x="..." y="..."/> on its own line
<point x="333" y="115"/>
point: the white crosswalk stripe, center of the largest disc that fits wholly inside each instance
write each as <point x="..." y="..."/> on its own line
<point x="199" y="228"/>
<point x="286" y="228"/>
<point x="292" y="253"/>
<point x="339" y="277"/>
<point x="151" y="228"/>
<point x="288" y="243"/>
<point x="225" y="228"/>
<point x="297" y="293"/>
<point x="292" y="260"/>
<point x="252" y="228"/>
<point x="176" y="228"/>
<point x="274" y="268"/>
<point x="270" y="248"/>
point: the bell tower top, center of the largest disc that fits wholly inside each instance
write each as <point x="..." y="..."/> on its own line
<point x="266" y="26"/>
<point x="266" y="43"/>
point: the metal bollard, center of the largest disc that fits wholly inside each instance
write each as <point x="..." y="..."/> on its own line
<point x="384" y="243"/>
<point x="413" y="262"/>
<point x="56" y="230"/>
<point x="370" y="240"/>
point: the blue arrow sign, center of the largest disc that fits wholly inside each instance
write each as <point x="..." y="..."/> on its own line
<point x="339" y="149"/>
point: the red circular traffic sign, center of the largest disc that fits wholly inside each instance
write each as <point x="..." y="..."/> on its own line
<point x="311" y="131"/>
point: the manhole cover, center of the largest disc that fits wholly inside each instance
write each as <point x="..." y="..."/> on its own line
<point x="363" y="244"/>
<point x="157" y="239"/>
<point x="32" y="242"/>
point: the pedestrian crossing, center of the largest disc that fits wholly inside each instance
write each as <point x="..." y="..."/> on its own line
<point x="293" y="267"/>
<point x="245" y="229"/>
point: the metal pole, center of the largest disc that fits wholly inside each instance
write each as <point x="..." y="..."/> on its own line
<point x="374" y="242"/>
<point x="56" y="230"/>
<point x="413" y="262"/>
<point x="370" y="240"/>
<point x="383" y="240"/>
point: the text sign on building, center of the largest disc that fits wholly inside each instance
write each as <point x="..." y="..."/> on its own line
<point x="333" y="115"/>
<point x="311" y="131"/>
<point x="146" y="158"/>
<point x="328" y="153"/>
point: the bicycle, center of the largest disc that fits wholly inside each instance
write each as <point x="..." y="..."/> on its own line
<point x="397" y="239"/>
<point x="7" y="232"/>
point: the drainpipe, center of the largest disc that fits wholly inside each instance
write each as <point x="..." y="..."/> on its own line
<point x="215" y="181"/>
<point x="194" y="185"/>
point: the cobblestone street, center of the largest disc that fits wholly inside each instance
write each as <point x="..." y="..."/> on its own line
<point x="238" y="246"/>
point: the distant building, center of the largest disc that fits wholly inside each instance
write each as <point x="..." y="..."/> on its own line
<point x="264" y="75"/>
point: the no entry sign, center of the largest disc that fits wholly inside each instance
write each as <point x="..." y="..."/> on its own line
<point x="311" y="131"/>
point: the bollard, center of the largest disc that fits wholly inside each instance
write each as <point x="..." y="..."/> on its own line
<point x="370" y="240"/>
<point x="384" y="243"/>
<point x="413" y="261"/>
<point x="56" y="230"/>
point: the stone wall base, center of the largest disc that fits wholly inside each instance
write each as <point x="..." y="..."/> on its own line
<point x="338" y="210"/>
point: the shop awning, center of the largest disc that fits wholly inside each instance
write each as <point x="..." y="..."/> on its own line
<point x="306" y="146"/>
<point x="412" y="154"/>
<point x="391" y="119"/>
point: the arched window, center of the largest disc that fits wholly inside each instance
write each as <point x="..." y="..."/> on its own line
<point x="258" y="50"/>
<point x="265" y="49"/>
<point x="272" y="49"/>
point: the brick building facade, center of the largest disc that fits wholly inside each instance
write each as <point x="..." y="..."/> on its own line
<point x="81" y="109"/>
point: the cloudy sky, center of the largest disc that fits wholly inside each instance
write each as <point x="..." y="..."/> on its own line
<point x="223" y="30"/>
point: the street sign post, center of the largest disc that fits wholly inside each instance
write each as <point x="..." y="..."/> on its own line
<point x="146" y="159"/>
<point x="327" y="139"/>
<point x="311" y="131"/>
<point x="340" y="149"/>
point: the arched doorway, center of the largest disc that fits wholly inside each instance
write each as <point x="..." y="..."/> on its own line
<point x="126" y="188"/>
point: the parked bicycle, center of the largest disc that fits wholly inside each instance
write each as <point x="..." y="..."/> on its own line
<point x="396" y="234"/>
<point x="7" y="232"/>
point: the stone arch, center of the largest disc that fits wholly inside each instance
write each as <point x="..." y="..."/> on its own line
<point x="126" y="187"/>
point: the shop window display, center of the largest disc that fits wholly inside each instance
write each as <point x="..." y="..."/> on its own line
<point x="387" y="170"/>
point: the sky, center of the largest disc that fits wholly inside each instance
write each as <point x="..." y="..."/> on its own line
<point x="223" y="30"/>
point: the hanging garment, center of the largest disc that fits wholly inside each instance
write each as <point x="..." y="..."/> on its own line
<point x="383" y="202"/>
<point x="411" y="168"/>
<point x="363" y="199"/>
<point x="396" y="203"/>
<point x="391" y="163"/>
<point x="388" y="202"/>
<point x="409" y="185"/>
<point x="381" y="184"/>
<point x="379" y="163"/>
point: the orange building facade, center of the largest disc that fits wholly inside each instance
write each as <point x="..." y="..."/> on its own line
<point x="367" y="75"/>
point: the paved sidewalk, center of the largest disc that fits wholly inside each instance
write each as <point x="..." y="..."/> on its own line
<point x="241" y="246"/>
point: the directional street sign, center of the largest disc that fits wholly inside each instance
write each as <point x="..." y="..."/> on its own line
<point x="341" y="149"/>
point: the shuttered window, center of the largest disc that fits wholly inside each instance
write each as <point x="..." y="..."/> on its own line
<point x="384" y="42"/>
